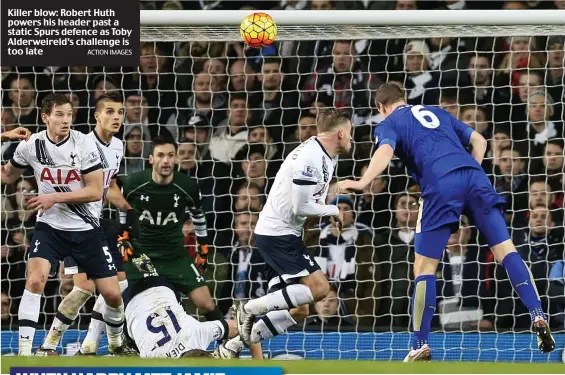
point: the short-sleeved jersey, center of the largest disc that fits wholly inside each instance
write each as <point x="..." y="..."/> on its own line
<point x="161" y="328"/>
<point x="162" y="211"/>
<point x="59" y="167"/>
<point x="428" y="140"/>
<point x="308" y="164"/>
<point x="111" y="154"/>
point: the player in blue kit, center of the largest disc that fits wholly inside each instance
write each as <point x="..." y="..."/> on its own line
<point x="432" y="144"/>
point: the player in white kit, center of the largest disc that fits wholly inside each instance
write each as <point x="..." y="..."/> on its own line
<point x="158" y="324"/>
<point x="69" y="174"/>
<point x="299" y="191"/>
<point x="109" y="117"/>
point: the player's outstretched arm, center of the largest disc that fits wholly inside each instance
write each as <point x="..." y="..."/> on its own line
<point x="380" y="160"/>
<point x="479" y="146"/>
<point x="18" y="133"/>
<point x="115" y="197"/>
<point x="10" y="173"/>
<point x="303" y="204"/>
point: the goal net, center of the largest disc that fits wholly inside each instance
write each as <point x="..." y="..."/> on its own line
<point x="238" y="112"/>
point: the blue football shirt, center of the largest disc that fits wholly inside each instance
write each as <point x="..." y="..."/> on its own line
<point x="429" y="141"/>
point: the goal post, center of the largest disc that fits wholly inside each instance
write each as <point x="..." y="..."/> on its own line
<point x="163" y="25"/>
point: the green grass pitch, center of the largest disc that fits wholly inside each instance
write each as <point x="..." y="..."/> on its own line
<point x="298" y="367"/>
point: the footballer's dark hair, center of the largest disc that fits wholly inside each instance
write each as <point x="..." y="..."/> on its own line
<point x="196" y="353"/>
<point x="161" y="140"/>
<point x="389" y="93"/>
<point x="114" y="97"/>
<point x="331" y="118"/>
<point x="53" y="99"/>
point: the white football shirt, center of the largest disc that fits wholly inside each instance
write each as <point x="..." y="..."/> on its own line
<point x="111" y="154"/>
<point x="161" y="328"/>
<point x="59" y="167"/>
<point x="309" y="163"/>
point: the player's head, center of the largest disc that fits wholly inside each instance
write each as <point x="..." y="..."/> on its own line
<point x="163" y="155"/>
<point x="57" y="114"/>
<point x="109" y="113"/>
<point x="336" y="126"/>
<point x="388" y="97"/>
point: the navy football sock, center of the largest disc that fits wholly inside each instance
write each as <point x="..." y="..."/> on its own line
<point x="523" y="282"/>
<point x="423" y="307"/>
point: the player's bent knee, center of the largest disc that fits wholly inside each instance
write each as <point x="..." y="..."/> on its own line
<point x="320" y="290"/>
<point x="112" y="298"/>
<point x="83" y="283"/>
<point x="300" y="313"/>
<point x="36" y="282"/>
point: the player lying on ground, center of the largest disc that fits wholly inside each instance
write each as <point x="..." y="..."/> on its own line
<point x="161" y="328"/>
<point x="431" y="143"/>
<point x="109" y="117"/>
<point x="299" y="191"/>
<point x="69" y="174"/>
<point x="162" y="198"/>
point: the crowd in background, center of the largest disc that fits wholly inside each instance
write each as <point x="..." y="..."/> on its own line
<point x="238" y="112"/>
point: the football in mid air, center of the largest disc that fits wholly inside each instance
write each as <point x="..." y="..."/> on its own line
<point x="258" y="30"/>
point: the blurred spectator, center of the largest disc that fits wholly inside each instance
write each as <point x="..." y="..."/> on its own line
<point x="199" y="129"/>
<point x="306" y="128"/>
<point x="248" y="198"/>
<point x="326" y="312"/>
<point x="242" y="78"/>
<point x="8" y="122"/>
<point x="540" y="245"/>
<point x="512" y="179"/>
<point x="156" y="81"/>
<point x="22" y="221"/>
<point x="206" y="102"/>
<point x="373" y="206"/>
<point x="539" y="128"/>
<point x="421" y="86"/>
<point x="553" y="165"/>
<point x="273" y="152"/>
<point x="23" y="95"/>
<point x="499" y="140"/>
<point x="445" y="60"/>
<point x="251" y="168"/>
<point x="348" y="257"/>
<point x="449" y="101"/>
<point x="6" y="309"/>
<point x="395" y="252"/>
<point x="476" y="118"/>
<point x="556" y="295"/>
<point x="134" y="159"/>
<point x="346" y="81"/>
<point x="246" y="276"/>
<point x="460" y="286"/>
<point x="480" y="80"/>
<point x="231" y="134"/>
<point x="554" y="80"/>
<point x="279" y="107"/>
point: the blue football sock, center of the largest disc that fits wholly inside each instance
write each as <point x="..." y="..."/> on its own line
<point x="524" y="284"/>
<point x="423" y="307"/>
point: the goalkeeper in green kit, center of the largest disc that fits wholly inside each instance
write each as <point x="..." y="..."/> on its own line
<point x="161" y="198"/>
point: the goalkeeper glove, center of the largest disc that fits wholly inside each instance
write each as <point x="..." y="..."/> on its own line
<point x="124" y="246"/>
<point x="124" y="240"/>
<point x="201" y="258"/>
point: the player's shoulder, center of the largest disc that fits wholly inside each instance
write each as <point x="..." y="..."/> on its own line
<point x="117" y="145"/>
<point x="137" y="178"/>
<point x="84" y="141"/>
<point x="184" y="182"/>
<point x="35" y="136"/>
<point x="310" y="150"/>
